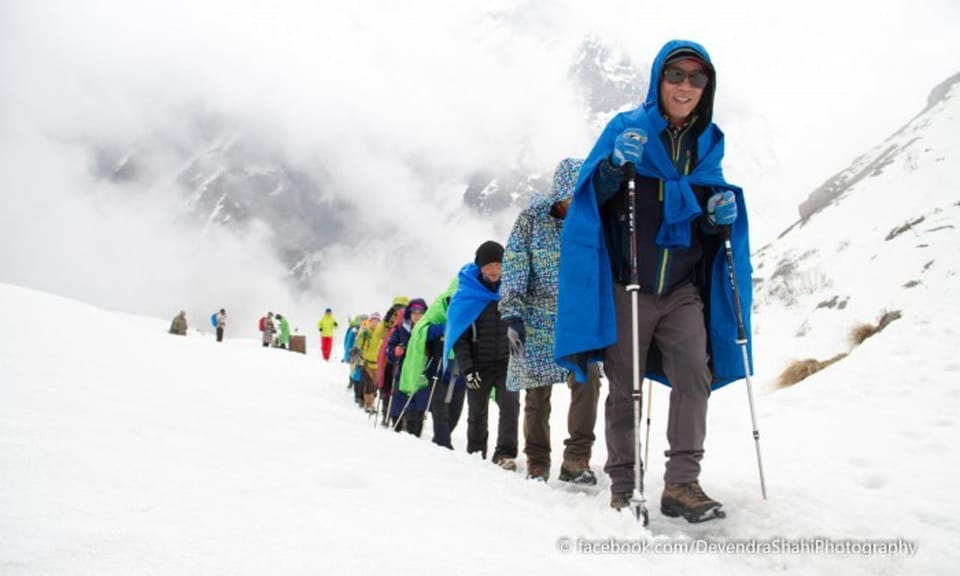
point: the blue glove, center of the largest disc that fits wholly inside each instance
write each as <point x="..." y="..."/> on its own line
<point x="722" y="208"/>
<point x="517" y="335"/>
<point x="628" y="147"/>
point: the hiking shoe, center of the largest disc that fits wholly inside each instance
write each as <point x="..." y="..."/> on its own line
<point x="689" y="501"/>
<point x="538" y="473"/>
<point x="620" y="500"/>
<point x="582" y="476"/>
<point x="506" y="463"/>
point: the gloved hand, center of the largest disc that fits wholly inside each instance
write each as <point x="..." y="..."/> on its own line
<point x="398" y="351"/>
<point x="628" y="147"/>
<point x="722" y="208"/>
<point x="473" y="380"/>
<point x="517" y="335"/>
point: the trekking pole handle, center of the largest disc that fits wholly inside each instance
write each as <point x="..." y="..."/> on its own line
<point x="728" y="248"/>
<point x="630" y="175"/>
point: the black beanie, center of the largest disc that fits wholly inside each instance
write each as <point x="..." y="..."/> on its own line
<point x="488" y="252"/>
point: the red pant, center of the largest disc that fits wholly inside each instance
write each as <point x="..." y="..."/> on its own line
<point x="326" y="345"/>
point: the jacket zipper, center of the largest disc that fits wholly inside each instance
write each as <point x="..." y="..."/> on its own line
<point x="665" y="252"/>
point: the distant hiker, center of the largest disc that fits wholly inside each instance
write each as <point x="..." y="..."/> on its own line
<point x="369" y="344"/>
<point x="284" y="331"/>
<point x="423" y="370"/>
<point x="348" y="355"/>
<point x="327" y="325"/>
<point x="221" y="323"/>
<point x="350" y="336"/>
<point x="528" y="304"/>
<point x="386" y="376"/>
<point x="268" y="329"/>
<point x="478" y="336"/>
<point x="682" y="205"/>
<point x="179" y="324"/>
<point x="408" y="411"/>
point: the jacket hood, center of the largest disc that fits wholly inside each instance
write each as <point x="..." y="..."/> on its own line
<point x="564" y="183"/>
<point x="704" y="110"/>
<point x="415" y="303"/>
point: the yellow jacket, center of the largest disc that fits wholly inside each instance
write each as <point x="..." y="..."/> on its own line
<point x="327" y="325"/>
<point x="368" y="341"/>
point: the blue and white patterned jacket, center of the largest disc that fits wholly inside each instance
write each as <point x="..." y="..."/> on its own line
<point x="530" y="280"/>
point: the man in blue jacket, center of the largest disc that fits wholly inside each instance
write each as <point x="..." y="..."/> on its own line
<point x="687" y="329"/>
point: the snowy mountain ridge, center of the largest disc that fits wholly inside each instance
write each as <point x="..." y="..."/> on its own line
<point x="903" y="142"/>
<point x="878" y="236"/>
<point x="228" y="174"/>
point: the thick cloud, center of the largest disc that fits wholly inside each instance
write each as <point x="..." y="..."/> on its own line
<point x="395" y="102"/>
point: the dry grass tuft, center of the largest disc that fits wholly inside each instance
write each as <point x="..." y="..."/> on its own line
<point x="864" y="331"/>
<point x="801" y="369"/>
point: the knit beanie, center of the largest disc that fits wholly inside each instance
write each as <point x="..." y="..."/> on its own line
<point x="489" y="252"/>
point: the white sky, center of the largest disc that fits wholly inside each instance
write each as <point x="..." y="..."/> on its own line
<point x="445" y="86"/>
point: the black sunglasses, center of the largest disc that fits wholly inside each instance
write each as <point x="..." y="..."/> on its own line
<point x="698" y="79"/>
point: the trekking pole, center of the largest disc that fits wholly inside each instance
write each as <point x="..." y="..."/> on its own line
<point x="646" y="440"/>
<point x="433" y="388"/>
<point x="376" y="412"/>
<point x="438" y="375"/>
<point x="639" y="502"/>
<point x="402" y="412"/>
<point x="449" y="397"/>
<point x="393" y="389"/>
<point x="742" y="342"/>
<point x="454" y="374"/>
<point x="409" y="398"/>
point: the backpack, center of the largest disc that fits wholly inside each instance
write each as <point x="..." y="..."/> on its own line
<point x="213" y="319"/>
<point x="263" y="320"/>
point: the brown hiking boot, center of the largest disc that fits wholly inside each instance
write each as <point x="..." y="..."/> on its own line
<point x="689" y="501"/>
<point x="577" y="473"/>
<point x="506" y="463"/>
<point x="538" y="472"/>
<point x="620" y="500"/>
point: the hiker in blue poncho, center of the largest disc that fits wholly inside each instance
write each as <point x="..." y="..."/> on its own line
<point x="478" y="336"/>
<point x="687" y="329"/>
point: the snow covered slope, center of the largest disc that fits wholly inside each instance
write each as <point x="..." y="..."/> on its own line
<point x="124" y="450"/>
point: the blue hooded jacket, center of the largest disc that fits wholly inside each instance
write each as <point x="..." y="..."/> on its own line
<point x="586" y="319"/>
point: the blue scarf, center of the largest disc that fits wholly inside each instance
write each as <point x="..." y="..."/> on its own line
<point x="471" y="297"/>
<point x="680" y="205"/>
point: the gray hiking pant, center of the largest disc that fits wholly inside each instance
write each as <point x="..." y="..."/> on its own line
<point x="581" y="420"/>
<point x="675" y="323"/>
